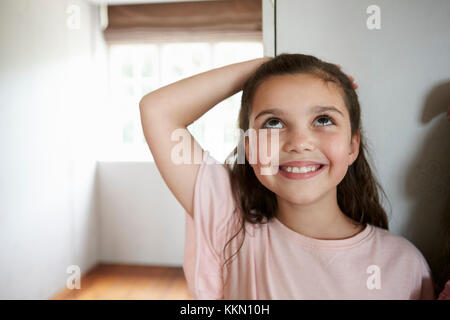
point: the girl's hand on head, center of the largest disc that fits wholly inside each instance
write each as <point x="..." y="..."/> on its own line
<point x="355" y="85"/>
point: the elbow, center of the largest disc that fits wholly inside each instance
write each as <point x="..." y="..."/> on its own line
<point x="143" y="102"/>
<point x="150" y="99"/>
<point x="146" y="102"/>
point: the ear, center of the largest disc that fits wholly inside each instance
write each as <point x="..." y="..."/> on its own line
<point x="354" y="148"/>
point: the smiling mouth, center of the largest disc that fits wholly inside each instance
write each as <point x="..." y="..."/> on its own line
<point x="306" y="172"/>
<point x="304" y="169"/>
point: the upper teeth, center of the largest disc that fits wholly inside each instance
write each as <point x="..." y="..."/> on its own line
<point x="301" y="169"/>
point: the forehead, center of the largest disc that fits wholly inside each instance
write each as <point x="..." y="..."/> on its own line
<point x="296" y="93"/>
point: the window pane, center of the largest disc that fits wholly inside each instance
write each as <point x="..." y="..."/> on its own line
<point x="147" y="68"/>
<point x="128" y="132"/>
<point x="148" y="61"/>
<point x="231" y="52"/>
<point x="139" y="69"/>
<point x="127" y="68"/>
<point x="148" y="86"/>
<point x="181" y="60"/>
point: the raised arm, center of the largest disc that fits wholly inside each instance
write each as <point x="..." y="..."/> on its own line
<point x="176" y="106"/>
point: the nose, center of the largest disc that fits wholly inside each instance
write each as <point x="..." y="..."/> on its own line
<point x="298" y="141"/>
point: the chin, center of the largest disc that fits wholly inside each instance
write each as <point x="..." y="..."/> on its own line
<point x="299" y="198"/>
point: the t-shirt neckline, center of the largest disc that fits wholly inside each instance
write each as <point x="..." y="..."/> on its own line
<point x="321" y="243"/>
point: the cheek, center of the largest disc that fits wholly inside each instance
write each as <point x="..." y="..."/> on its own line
<point x="265" y="148"/>
<point x="337" y="153"/>
<point x="271" y="182"/>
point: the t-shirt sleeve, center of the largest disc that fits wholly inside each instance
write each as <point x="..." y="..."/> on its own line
<point x="423" y="287"/>
<point x="205" y="235"/>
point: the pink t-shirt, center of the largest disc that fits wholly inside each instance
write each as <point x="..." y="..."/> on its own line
<point x="276" y="262"/>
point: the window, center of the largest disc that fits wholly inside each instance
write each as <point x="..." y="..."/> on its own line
<point x="136" y="70"/>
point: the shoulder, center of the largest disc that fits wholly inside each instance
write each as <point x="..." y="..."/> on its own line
<point x="214" y="206"/>
<point x="394" y="242"/>
<point x="399" y="247"/>
<point x="404" y="258"/>
<point x="211" y="170"/>
<point x="213" y="180"/>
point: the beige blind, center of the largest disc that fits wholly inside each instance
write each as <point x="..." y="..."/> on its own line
<point x="224" y="20"/>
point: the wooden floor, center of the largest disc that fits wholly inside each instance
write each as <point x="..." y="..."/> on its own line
<point x="126" y="282"/>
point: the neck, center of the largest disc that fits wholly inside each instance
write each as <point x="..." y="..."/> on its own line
<point x="322" y="219"/>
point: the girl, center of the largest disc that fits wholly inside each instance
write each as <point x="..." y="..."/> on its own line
<point x="315" y="228"/>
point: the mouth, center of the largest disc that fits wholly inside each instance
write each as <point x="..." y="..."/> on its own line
<point x="302" y="169"/>
<point x="297" y="173"/>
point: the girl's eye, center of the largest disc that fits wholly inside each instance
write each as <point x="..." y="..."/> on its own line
<point x="323" y="120"/>
<point x="325" y="117"/>
<point x="273" y="121"/>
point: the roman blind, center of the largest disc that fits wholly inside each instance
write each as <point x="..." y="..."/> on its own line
<point x="224" y="20"/>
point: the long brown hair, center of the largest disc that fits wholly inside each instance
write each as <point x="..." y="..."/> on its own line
<point x="357" y="193"/>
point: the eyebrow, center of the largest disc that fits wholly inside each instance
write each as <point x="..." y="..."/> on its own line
<point x="315" y="110"/>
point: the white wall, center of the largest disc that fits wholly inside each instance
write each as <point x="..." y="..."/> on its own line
<point x="403" y="72"/>
<point x="141" y="221"/>
<point x="50" y="95"/>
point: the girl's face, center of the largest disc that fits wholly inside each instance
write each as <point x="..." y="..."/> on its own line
<point x="307" y="132"/>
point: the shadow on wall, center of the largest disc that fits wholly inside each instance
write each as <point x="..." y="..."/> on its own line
<point x="428" y="185"/>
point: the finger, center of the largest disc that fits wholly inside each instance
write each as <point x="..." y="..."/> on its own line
<point x="355" y="85"/>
